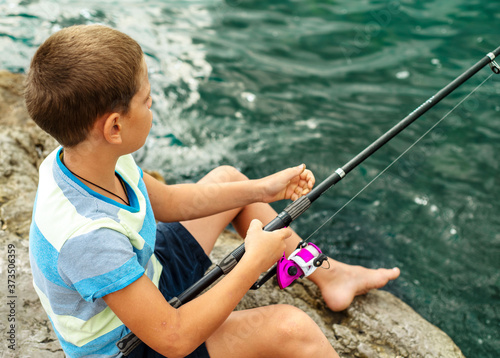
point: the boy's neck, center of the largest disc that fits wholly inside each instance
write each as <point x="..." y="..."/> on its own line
<point x="94" y="166"/>
<point x="90" y="163"/>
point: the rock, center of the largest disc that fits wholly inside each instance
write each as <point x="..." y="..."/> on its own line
<point x="375" y="325"/>
<point x="12" y="108"/>
<point x="22" y="146"/>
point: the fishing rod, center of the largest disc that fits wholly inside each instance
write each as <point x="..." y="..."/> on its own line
<point x="307" y="257"/>
<point x="299" y="206"/>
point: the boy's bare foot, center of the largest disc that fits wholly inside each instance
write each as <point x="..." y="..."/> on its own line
<point x="341" y="282"/>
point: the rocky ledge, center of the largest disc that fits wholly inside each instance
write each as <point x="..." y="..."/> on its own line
<point x="375" y="325"/>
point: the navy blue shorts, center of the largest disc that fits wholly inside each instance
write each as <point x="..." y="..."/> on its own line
<point x="184" y="262"/>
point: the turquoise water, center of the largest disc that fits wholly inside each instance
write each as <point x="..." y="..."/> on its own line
<point x="263" y="85"/>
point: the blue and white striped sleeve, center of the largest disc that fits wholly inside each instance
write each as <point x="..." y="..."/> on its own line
<point x="98" y="263"/>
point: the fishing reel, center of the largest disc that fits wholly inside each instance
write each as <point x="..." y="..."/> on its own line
<point x="301" y="263"/>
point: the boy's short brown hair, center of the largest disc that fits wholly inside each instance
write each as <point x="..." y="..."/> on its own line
<point x="79" y="74"/>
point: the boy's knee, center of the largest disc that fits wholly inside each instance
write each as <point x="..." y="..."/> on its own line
<point x="226" y="173"/>
<point x="291" y="322"/>
<point x="294" y="325"/>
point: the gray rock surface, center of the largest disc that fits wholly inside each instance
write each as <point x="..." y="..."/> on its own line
<point x="375" y="325"/>
<point x="22" y="148"/>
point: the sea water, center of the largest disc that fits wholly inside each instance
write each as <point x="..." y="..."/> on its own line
<point x="263" y="85"/>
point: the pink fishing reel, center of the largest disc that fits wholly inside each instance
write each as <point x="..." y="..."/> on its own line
<point x="301" y="263"/>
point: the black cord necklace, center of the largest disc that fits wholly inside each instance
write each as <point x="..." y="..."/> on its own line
<point x="100" y="187"/>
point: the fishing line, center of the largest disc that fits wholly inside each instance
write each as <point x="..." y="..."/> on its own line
<point x="399" y="157"/>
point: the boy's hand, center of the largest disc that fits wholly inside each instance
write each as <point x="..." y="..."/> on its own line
<point x="291" y="183"/>
<point x="265" y="248"/>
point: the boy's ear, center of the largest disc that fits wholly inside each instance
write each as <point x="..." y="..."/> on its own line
<point x="112" y="129"/>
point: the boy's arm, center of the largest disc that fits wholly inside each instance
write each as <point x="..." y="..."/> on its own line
<point x="191" y="201"/>
<point x="177" y="332"/>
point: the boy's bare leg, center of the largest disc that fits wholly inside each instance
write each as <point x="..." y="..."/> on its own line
<point x="271" y="331"/>
<point x="339" y="284"/>
<point x="207" y="230"/>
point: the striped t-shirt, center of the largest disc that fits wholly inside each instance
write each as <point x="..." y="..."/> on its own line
<point x="84" y="246"/>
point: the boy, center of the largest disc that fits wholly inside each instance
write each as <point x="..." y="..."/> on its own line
<point x="101" y="265"/>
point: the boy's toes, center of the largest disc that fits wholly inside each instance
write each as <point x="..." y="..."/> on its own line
<point x="389" y="274"/>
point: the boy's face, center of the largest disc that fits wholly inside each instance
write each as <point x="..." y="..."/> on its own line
<point x="138" y="121"/>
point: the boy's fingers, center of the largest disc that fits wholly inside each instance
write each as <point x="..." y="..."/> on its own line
<point x="285" y="232"/>
<point x="255" y="225"/>
<point x="308" y="177"/>
<point x="296" y="171"/>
